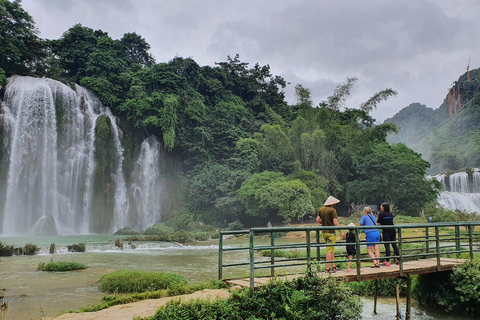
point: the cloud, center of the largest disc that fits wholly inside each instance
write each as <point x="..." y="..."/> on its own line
<point x="417" y="48"/>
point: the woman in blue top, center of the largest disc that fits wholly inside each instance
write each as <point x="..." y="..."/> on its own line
<point x="373" y="236"/>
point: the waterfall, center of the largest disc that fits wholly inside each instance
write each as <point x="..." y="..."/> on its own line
<point x="460" y="191"/>
<point x="48" y="166"/>
<point x="146" y="186"/>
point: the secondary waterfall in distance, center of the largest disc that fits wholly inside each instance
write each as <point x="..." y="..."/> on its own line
<point x="460" y="191"/>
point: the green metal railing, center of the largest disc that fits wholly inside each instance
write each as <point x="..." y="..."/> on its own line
<point x="432" y="240"/>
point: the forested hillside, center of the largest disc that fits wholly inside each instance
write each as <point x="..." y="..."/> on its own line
<point x="449" y="139"/>
<point x="244" y="153"/>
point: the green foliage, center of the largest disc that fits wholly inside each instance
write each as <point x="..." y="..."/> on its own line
<point x="158" y="229"/>
<point x="20" y="47"/>
<point x="458" y="291"/>
<point x="466" y="281"/>
<point x="304" y="298"/>
<point x="271" y="195"/>
<point x="6" y="250"/>
<point x="394" y="173"/>
<point x="385" y="287"/>
<point x="3" y="78"/>
<point x="112" y="300"/>
<point x="129" y="281"/>
<point x="235" y="225"/>
<point x="439" y="213"/>
<point x="60" y="266"/>
<point x="77" y="247"/>
<point x="30" y="249"/>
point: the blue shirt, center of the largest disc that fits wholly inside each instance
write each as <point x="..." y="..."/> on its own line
<point x="366" y="221"/>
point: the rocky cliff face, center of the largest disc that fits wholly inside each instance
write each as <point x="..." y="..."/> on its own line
<point x="448" y="137"/>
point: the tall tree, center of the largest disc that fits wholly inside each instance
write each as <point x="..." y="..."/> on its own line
<point x="74" y="48"/>
<point x="396" y="174"/>
<point x="20" y="47"/>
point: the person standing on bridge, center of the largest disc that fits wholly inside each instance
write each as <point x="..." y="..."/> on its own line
<point x="327" y="217"/>
<point x="385" y="218"/>
<point x="373" y="236"/>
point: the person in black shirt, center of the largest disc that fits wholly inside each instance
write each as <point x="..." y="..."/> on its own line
<point x="385" y="218"/>
<point x="351" y="240"/>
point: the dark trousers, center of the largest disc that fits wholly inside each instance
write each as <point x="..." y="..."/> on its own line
<point x="390" y="236"/>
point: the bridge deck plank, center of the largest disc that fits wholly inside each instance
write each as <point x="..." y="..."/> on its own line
<point x="416" y="267"/>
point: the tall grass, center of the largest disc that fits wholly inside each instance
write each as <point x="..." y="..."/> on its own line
<point x="60" y="266"/>
<point x="132" y="281"/>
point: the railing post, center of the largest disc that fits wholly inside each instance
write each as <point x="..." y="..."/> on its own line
<point x="437" y="246"/>
<point x="252" y="266"/>
<point x="400" y="250"/>
<point x="272" y="254"/>
<point x="358" y="253"/>
<point x="220" y="257"/>
<point x="470" y="241"/>
<point x="409" y="298"/>
<point x="457" y="240"/>
<point x="308" y="247"/>
<point x="318" y="243"/>
<point x="427" y="237"/>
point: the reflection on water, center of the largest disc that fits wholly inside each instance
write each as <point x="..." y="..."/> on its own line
<point x="31" y="294"/>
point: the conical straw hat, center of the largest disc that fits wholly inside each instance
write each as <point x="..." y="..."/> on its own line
<point x="331" y="201"/>
<point x="351" y="224"/>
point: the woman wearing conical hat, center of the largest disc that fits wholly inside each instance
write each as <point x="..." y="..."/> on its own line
<point x="327" y="217"/>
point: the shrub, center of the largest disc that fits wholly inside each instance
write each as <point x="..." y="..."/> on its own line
<point x="6" y="250"/>
<point x="235" y="225"/>
<point x="131" y="281"/>
<point x="112" y="300"/>
<point x="52" y="248"/>
<point x="77" y="247"/>
<point x="119" y="243"/>
<point x="60" y="266"/>
<point x="456" y="291"/>
<point x="386" y="287"/>
<point x="439" y="213"/>
<point x="159" y="229"/>
<point x="304" y="298"/>
<point x="30" y="249"/>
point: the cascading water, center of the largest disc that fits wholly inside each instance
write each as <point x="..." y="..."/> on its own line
<point x="460" y="191"/>
<point x="146" y="186"/>
<point x="49" y="168"/>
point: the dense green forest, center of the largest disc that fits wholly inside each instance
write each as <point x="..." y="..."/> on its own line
<point x="245" y="154"/>
<point x="450" y="142"/>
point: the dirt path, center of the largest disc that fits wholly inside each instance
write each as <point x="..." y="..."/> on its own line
<point x="142" y="309"/>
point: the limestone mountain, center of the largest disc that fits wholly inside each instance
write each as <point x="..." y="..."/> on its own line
<point x="449" y="136"/>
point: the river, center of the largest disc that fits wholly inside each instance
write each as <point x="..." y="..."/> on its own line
<point x="31" y="294"/>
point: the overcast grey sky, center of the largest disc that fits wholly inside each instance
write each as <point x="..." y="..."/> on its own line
<point x="416" y="47"/>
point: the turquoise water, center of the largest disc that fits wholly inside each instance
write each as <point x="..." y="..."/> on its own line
<point x="31" y="294"/>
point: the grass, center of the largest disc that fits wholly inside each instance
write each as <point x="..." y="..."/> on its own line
<point x="60" y="266"/>
<point x="133" y="281"/>
<point x="116" y="299"/>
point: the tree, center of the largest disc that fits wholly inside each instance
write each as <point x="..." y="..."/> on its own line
<point x="271" y="195"/>
<point x="396" y="174"/>
<point x="74" y="48"/>
<point x="20" y="47"/>
<point x="135" y="51"/>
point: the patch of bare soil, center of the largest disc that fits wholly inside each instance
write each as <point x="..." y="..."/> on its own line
<point x="142" y="309"/>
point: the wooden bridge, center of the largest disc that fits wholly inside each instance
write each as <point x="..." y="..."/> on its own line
<point x="423" y="249"/>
